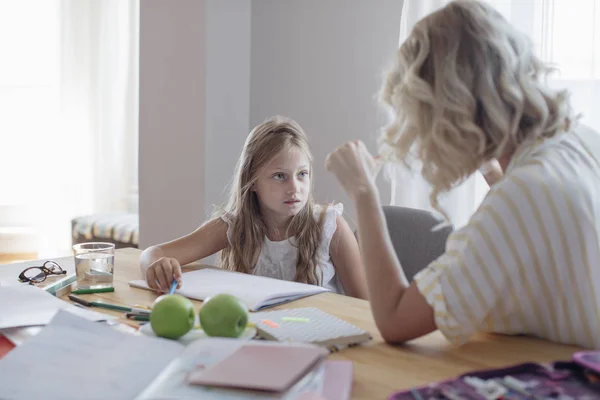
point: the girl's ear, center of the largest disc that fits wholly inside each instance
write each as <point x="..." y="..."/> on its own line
<point x="253" y="187"/>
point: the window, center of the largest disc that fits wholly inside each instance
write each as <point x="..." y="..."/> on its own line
<point x="566" y="34"/>
<point x="68" y="113"/>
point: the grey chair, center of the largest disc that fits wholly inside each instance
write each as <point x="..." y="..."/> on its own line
<point x="415" y="243"/>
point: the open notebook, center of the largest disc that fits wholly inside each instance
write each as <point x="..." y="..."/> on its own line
<point x="257" y="292"/>
<point x="308" y="325"/>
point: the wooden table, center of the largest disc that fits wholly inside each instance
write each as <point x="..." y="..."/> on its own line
<point x="379" y="368"/>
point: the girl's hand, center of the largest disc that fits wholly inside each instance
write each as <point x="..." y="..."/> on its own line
<point x="354" y="167"/>
<point x="160" y="274"/>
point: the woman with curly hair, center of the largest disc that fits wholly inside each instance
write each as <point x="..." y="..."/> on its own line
<point x="467" y="92"/>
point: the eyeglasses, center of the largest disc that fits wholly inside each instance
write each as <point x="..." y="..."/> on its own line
<point x="39" y="274"/>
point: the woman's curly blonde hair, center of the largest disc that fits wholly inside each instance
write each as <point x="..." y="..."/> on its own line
<point x="466" y="88"/>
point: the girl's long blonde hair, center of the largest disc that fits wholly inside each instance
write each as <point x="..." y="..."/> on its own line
<point x="247" y="228"/>
<point x="465" y="88"/>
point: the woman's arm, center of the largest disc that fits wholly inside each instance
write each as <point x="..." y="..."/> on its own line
<point x="492" y="172"/>
<point x="400" y="311"/>
<point x="161" y="263"/>
<point x="347" y="261"/>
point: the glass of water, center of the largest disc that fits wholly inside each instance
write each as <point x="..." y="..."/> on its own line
<point x="94" y="264"/>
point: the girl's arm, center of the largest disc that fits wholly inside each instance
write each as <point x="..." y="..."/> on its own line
<point x="161" y="264"/>
<point x="345" y="256"/>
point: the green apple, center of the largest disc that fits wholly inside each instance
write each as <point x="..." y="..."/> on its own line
<point x="172" y="316"/>
<point x="223" y="315"/>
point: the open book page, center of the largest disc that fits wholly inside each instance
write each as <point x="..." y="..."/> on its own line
<point x="173" y="381"/>
<point x="72" y="358"/>
<point x="256" y="292"/>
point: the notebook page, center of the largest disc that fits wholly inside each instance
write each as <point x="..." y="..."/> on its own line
<point x="254" y="291"/>
<point x="86" y="360"/>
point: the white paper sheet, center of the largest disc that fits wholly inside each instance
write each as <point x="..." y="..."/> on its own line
<point x="28" y="306"/>
<point x="72" y="358"/>
<point x="18" y="336"/>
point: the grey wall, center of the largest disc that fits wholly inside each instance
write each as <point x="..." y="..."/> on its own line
<point x="320" y="62"/>
<point x="210" y="70"/>
<point x="227" y="92"/>
<point x="171" y="126"/>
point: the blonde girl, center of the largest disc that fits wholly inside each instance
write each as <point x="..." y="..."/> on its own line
<point x="271" y="225"/>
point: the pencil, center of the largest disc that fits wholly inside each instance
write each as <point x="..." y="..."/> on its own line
<point x="173" y="286"/>
<point x="100" y="304"/>
<point x="145" y="318"/>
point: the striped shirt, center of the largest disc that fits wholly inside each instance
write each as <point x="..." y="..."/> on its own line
<point x="528" y="261"/>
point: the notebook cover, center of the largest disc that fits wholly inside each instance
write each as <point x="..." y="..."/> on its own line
<point x="338" y="380"/>
<point x="255" y="367"/>
<point x="318" y="327"/>
<point x="311" y="396"/>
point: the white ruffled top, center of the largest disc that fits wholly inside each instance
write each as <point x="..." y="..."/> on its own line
<point x="278" y="259"/>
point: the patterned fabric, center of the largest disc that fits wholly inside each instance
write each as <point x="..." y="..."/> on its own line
<point x="119" y="226"/>
<point x="529" y="260"/>
<point x="278" y="259"/>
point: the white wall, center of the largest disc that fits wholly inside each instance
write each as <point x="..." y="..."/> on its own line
<point x="211" y="70"/>
<point x="320" y="62"/>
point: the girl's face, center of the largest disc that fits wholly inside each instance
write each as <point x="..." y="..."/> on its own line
<point x="283" y="186"/>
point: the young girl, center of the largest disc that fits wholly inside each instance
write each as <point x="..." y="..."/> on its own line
<point x="270" y="225"/>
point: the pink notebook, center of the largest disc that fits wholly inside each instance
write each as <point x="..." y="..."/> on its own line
<point x="259" y="367"/>
<point x="337" y="382"/>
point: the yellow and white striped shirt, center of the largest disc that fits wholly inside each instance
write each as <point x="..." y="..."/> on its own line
<point x="528" y="262"/>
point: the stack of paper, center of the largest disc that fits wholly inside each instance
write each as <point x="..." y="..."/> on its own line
<point x="87" y="361"/>
<point x="25" y="305"/>
<point x="92" y="361"/>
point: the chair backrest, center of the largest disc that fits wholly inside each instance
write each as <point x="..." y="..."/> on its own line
<point x="415" y="243"/>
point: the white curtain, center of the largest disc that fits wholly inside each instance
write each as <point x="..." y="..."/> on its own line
<point x="92" y="158"/>
<point x="566" y="33"/>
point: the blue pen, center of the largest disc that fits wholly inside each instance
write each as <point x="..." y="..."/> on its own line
<point x="173" y="286"/>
